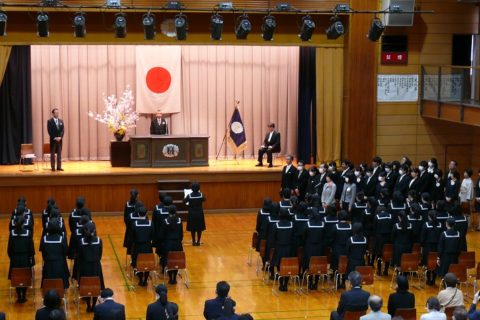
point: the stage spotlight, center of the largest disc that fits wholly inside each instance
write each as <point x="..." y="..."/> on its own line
<point x="148" y="22"/>
<point x="244" y="26"/>
<point x="120" y="25"/>
<point x="42" y="24"/>
<point x="216" y="26"/>
<point x="336" y="29"/>
<point x="268" y="27"/>
<point x="181" y="26"/>
<point x="308" y="25"/>
<point x="376" y="30"/>
<point x="79" y="29"/>
<point x="3" y="23"/>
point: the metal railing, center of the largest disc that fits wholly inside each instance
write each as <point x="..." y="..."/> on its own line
<point x="451" y="84"/>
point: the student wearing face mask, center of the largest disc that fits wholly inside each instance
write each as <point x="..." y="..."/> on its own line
<point x="370" y="183"/>
<point x="424" y="178"/>
<point x="302" y="181"/>
<point x="381" y="185"/>
<point x="413" y="184"/>
<point x="337" y="179"/>
<point x="437" y="191"/>
<point x="390" y="177"/>
<point x="359" y="179"/>
<point x="322" y="178"/>
<point x="349" y="191"/>
<point x="432" y="166"/>
<point x="347" y="168"/>
<point x="403" y="181"/>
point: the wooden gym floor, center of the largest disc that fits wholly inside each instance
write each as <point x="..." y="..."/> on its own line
<point x="222" y="256"/>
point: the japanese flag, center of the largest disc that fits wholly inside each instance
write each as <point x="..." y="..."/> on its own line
<point x="159" y="71"/>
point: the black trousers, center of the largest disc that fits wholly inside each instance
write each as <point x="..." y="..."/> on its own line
<point x="269" y="153"/>
<point x="56" y="148"/>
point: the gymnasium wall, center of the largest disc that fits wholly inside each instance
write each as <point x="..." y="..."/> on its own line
<point x="399" y="128"/>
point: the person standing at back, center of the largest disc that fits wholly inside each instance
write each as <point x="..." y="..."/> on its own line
<point x="195" y="218"/>
<point x="56" y="130"/>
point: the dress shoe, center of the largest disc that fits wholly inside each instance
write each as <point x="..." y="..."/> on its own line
<point x="53" y="169"/>
<point x="198" y="244"/>
<point x="60" y="169"/>
<point x="270" y="165"/>
<point x="259" y="164"/>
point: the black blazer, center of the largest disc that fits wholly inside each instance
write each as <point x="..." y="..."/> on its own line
<point x="289" y="179"/>
<point x="274" y="142"/>
<point x="424" y="183"/>
<point x="53" y="130"/>
<point x="155" y="311"/>
<point x="402" y="185"/>
<point x="41" y="314"/>
<point x="400" y="300"/>
<point x="159" y="128"/>
<point x="109" y="310"/>
<point x="370" y="186"/>
<point x="353" y="300"/>
<point x="302" y="181"/>
<point x="214" y="308"/>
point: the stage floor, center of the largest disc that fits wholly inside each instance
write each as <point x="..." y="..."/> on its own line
<point x="227" y="184"/>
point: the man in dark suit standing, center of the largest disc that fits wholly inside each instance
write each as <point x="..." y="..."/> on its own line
<point x="159" y="124"/>
<point x="354" y="300"/>
<point x="271" y="144"/>
<point x="108" y="309"/>
<point x="289" y="175"/>
<point x="56" y="129"/>
<point x="302" y="181"/>
<point x="214" y="308"/>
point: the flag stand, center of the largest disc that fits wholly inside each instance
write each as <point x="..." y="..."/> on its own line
<point x="221" y="147"/>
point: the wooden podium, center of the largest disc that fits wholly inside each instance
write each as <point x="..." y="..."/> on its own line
<point x="169" y="151"/>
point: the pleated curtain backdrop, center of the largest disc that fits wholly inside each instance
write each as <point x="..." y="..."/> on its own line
<point x="73" y="78"/>
<point x="329" y="64"/>
<point x="4" y="56"/>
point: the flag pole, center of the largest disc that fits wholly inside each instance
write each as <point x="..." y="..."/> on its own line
<point x="237" y="102"/>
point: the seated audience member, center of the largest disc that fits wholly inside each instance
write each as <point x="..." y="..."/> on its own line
<point x="460" y="313"/>
<point x="271" y="144"/>
<point x="375" y="303"/>
<point x="229" y="311"/>
<point x="451" y="296"/>
<point x="51" y="301"/>
<point x="214" y="308"/>
<point x="402" y="299"/>
<point x="354" y="300"/>
<point x="108" y="309"/>
<point x="473" y="314"/>
<point x="433" y="308"/>
<point x="55" y="314"/>
<point x="162" y="308"/>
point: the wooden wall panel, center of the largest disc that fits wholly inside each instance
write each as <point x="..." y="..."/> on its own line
<point x="400" y="129"/>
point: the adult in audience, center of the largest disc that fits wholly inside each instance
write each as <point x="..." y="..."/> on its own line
<point x="473" y="314"/>
<point x="402" y="299"/>
<point x="195" y="218"/>
<point x="271" y="144"/>
<point x="375" y="303"/>
<point x="108" y="309"/>
<point x="56" y="314"/>
<point x="51" y="301"/>
<point x="162" y="308"/>
<point x="451" y="296"/>
<point x="289" y="175"/>
<point x="245" y="316"/>
<point x="433" y="308"/>
<point x="355" y="299"/>
<point x="214" y="308"/>
<point x="229" y="311"/>
<point x="328" y="192"/>
<point x="460" y="313"/>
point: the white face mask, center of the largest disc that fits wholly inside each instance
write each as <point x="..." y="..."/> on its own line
<point x="436" y="176"/>
<point x="346" y="180"/>
<point x="381" y="179"/>
<point x="401" y="172"/>
<point x="430" y="164"/>
<point x="357" y="173"/>
<point x="322" y="170"/>
<point x="312" y="173"/>
<point x="300" y="168"/>
<point x="421" y="168"/>
<point x="330" y="168"/>
<point x="387" y="170"/>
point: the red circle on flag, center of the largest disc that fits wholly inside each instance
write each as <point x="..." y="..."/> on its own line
<point x="158" y="79"/>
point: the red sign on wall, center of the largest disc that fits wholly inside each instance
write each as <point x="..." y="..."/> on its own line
<point x="394" y="58"/>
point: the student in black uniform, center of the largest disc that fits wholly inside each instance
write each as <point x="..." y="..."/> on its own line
<point x="403" y="180"/>
<point x="142" y="238"/>
<point x="414" y="217"/>
<point x="162" y="308"/>
<point x="46" y="212"/>
<point x="28" y="214"/>
<point x="431" y="231"/>
<point x="356" y="248"/>
<point x="452" y="188"/>
<point x="437" y="192"/>
<point x="53" y="246"/>
<point x="286" y="203"/>
<point x="322" y="177"/>
<point x="289" y="175"/>
<point x="401" y="238"/>
<point x="314" y="243"/>
<point x="425" y="205"/>
<point x="381" y="187"/>
<point x="262" y="221"/>
<point x="51" y="301"/>
<point x="73" y="225"/>
<point x="313" y="180"/>
<point x="358" y="208"/>
<point x="195" y="218"/>
<point x="302" y="180"/>
<point x="397" y="205"/>
<point x="58" y="219"/>
<point x="300" y="220"/>
<point x="343" y="232"/>
<point x="424" y="178"/>
<point x="283" y="242"/>
<point x="21" y="252"/>
<point x="461" y="225"/>
<point x="129" y="208"/>
<point x="413" y="184"/>
<point x="359" y="179"/>
<point x="21" y="211"/>
<point x="330" y="220"/>
<point x="79" y="233"/>
<point x="368" y="216"/>
<point x="382" y="226"/>
<point x="448" y="247"/>
<point x="442" y="214"/>
<point x="159" y="215"/>
<point x="370" y="183"/>
<point x="90" y="250"/>
<point x="391" y="177"/>
<point x="172" y="237"/>
<point x="271" y="222"/>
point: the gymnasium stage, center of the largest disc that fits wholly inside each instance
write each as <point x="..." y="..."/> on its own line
<point x="227" y="184"/>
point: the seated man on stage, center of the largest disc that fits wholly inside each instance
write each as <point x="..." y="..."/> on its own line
<point x="159" y="124"/>
<point x="271" y="144"/>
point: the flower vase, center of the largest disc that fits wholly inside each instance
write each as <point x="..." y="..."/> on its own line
<point x="119" y="135"/>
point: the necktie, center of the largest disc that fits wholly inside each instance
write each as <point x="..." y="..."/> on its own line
<point x="56" y="122"/>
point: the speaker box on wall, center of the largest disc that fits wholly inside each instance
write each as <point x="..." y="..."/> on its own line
<point x="399" y="19"/>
